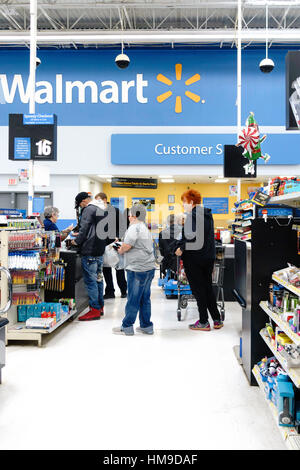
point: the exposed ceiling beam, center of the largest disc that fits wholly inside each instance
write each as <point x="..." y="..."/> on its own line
<point x="147" y="37"/>
<point x="211" y="4"/>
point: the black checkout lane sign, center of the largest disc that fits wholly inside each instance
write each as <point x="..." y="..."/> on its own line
<point x="32" y="137"/>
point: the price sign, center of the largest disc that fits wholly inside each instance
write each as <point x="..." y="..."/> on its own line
<point x="32" y="137"/>
<point x="260" y="198"/>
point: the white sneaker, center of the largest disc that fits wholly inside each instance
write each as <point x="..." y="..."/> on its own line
<point x="118" y="330"/>
<point x="145" y="331"/>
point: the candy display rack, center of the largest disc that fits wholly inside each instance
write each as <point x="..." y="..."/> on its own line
<point x="29" y="267"/>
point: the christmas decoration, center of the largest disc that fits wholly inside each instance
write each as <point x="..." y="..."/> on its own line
<point x="249" y="138"/>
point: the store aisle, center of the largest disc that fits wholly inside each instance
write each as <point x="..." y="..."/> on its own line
<point x="89" y="389"/>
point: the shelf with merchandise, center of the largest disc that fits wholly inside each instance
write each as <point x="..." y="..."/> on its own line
<point x="289" y="434"/>
<point x="290" y="287"/>
<point x="33" y="259"/>
<point x="293" y="373"/>
<point x="280" y="322"/>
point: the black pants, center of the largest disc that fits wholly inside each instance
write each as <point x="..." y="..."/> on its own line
<point x="121" y="280"/>
<point x="199" y="274"/>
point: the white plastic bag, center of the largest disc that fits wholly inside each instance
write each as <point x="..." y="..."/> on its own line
<point x="121" y="264"/>
<point x="110" y="257"/>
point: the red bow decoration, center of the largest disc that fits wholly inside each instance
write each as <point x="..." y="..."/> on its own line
<point x="248" y="138"/>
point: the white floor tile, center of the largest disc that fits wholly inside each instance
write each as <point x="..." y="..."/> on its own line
<point x="90" y="389"/>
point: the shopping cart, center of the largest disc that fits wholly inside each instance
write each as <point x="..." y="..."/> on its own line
<point x="184" y="291"/>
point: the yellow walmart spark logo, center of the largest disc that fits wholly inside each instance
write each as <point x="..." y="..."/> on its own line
<point x="178" y="103"/>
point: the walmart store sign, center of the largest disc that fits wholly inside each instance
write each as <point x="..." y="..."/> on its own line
<point x="159" y="88"/>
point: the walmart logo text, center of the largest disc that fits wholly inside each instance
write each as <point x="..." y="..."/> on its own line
<point x="62" y="91"/>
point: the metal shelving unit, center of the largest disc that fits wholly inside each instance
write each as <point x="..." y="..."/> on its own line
<point x="293" y="373"/>
<point x="283" y="324"/>
<point x="291" y="199"/>
<point x="294" y="290"/>
<point x="18" y="331"/>
<point x="289" y="435"/>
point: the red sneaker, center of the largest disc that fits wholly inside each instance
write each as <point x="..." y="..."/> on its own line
<point x="92" y="314"/>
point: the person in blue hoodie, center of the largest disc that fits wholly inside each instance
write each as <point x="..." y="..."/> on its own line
<point x="198" y="252"/>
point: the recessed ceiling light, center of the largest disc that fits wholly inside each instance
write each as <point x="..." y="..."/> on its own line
<point x="221" y="180"/>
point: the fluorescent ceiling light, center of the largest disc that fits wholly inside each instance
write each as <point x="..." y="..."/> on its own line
<point x="221" y="180"/>
<point x="168" y="180"/>
<point x="105" y="176"/>
<point x="166" y="176"/>
<point x="108" y="180"/>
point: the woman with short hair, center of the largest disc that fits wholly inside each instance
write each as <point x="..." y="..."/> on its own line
<point x="139" y="261"/>
<point x="199" y="262"/>
<point x="51" y="215"/>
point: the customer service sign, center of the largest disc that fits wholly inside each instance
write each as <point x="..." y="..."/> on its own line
<point x="160" y="87"/>
<point x="191" y="149"/>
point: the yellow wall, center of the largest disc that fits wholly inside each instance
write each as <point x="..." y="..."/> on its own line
<point x="164" y="189"/>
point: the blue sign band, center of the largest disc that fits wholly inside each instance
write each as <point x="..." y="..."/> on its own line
<point x="194" y="149"/>
<point x="31" y="119"/>
<point x="22" y="148"/>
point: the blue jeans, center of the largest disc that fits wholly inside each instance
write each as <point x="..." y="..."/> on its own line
<point x="138" y="299"/>
<point x="93" y="279"/>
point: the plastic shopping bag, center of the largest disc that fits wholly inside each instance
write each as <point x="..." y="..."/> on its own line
<point x="110" y="257"/>
<point x="121" y="264"/>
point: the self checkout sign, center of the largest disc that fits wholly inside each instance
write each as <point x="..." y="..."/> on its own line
<point x="32" y="137"/>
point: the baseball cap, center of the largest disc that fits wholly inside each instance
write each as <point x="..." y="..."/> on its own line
<point x="81" y="197"/>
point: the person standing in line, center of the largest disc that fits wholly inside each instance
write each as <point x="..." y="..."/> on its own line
<point x="51" y="215"/>
<point x="91" y="245"/>
<point x="116" y="229"/>
<point x="167" y="242"/>
<point x="139" y="262"/>
<point x="85" y="200"/>
<point x="199" y="263"/>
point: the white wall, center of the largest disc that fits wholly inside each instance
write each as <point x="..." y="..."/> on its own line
<point x="63" y="187"/>
<point x="85" y="150"/>
<point x="90" y="185"/>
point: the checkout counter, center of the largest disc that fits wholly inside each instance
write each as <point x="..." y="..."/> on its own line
<point x="228" y="282"/>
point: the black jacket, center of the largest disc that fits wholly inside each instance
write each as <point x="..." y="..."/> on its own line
<point x="195" y="220"/>
<point x="116" y="224"/>
<point x="91" y="241"/>
<point x="167" y="245"/>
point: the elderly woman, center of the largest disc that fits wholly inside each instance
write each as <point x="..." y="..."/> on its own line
<point x="51" y="215"/>
<point x="198" y="261"/>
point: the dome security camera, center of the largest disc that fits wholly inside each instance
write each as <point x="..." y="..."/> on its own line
<point x="122" y="61"/>
<point x="37" y="62"/>
<point x="266" y="65"/>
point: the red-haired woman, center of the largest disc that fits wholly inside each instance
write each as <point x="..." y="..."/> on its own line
<point x="197" y="248"/>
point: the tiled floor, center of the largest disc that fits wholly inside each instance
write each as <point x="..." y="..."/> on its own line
<point x="89" y="389"/>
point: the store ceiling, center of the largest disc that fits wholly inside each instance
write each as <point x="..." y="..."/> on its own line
<point x="194" y="17"/>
